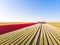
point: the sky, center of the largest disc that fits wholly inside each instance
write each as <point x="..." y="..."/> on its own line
<point x="29" y="10"/>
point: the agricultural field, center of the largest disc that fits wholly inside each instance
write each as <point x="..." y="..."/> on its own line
<point x="32" y="34"/>
<point x="12" y="23"/>
<point x="55" y="24"/>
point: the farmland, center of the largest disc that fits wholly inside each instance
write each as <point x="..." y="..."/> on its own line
<point x="55" y="24"/>
<point x="36" y="34"/>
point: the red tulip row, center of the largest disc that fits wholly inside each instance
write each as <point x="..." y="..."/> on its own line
<point x="9" y="28"/>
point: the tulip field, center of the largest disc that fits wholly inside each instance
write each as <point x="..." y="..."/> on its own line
<point x="30" y="33"/>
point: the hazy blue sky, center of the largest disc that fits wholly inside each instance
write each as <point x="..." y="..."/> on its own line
<point x="29" y="10"/>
